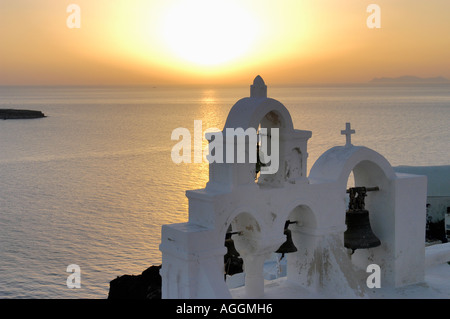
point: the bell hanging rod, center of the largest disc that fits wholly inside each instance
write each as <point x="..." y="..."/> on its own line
<point x="367" y="189"/>
<point x="288" y="222"/>
<point x="235" y="233"/>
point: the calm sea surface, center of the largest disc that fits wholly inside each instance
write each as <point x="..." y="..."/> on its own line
<point x="93" y="182"/>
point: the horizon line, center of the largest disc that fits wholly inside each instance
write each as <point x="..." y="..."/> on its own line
<point x="275" y="85"/>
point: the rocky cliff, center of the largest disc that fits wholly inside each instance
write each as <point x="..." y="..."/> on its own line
<point x="144" y="286"/>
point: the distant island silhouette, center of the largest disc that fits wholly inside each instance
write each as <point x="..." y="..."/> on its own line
<point x="410" y="79"/>
<point x="13" y="114"/>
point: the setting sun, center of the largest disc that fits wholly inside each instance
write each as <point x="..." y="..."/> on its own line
<point x="216" y="41"/>
<point x="208" y="32"/>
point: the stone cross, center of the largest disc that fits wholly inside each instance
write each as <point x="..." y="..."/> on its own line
<point x="348" y="134"/>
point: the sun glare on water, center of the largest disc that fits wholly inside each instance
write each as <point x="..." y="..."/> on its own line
<point x="208" y="32"/>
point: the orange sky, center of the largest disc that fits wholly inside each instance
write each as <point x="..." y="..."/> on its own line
<point x="161" y="42"/>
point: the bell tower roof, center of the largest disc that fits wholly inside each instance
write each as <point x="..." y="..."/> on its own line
<point x="250" y="111"/>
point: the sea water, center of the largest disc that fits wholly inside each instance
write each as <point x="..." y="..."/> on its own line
<point x="92" y="183"/>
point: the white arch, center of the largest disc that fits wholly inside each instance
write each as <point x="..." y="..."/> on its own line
<point x="249" y="112"/>
<point x="336" y="164"/>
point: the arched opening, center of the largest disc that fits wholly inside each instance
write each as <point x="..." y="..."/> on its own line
<point x="293" y="252"/>
<point x="368" y="189"/>
<point x="276" y="265"/>
<point x="241" y="239"/>
<point x="294" y="165"/>
<point x="268" y="149"/>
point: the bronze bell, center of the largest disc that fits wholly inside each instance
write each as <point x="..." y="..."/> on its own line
<point x="233" y="264"/>
<point x="359" y="234"/>
<point x="288" y="246"/>
<point x="231" y="249"/>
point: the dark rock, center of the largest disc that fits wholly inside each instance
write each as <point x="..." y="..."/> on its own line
<point x="11" y="114"/>
<point x="144" y="286"/>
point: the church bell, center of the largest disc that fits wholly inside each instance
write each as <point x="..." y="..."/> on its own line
<point x="288" y="246"/>
<point x="359" y="234"/>
<point x="229" y="244"/>
<point x="231" y="249"/>
<point x="233" y="264"/>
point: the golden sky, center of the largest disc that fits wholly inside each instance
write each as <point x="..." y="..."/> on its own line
<point x="162" y="42"/>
